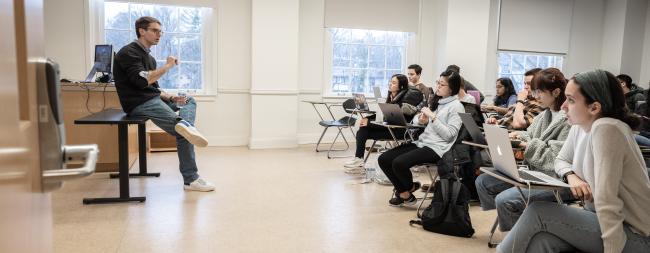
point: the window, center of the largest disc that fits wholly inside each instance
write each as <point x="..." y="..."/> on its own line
<point x="363" y="59"/>
<point x="515" y="64"/>
<point x="182" y="38"/>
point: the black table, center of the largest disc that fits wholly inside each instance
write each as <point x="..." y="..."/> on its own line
<point x="119" y="118"/>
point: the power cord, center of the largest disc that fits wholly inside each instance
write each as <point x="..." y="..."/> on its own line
<point x="88" y="89"/>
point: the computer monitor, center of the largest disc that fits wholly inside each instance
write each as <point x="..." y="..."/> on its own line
<point x="104" y="56"/>
<point x="103" y="62"/>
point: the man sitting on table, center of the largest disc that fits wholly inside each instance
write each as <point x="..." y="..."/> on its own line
<point x="136" y="81"/>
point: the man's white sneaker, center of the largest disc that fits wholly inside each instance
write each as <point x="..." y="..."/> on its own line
<point x="199" y="185"/>
<point x="354" y="163"/>
<point x="190" y="133"/>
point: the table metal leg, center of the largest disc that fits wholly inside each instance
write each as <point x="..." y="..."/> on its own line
<point x="142" y="156"/>
<point x="123" y="149"/>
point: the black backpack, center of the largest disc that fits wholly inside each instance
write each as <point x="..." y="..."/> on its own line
<point x="449" y="210"/>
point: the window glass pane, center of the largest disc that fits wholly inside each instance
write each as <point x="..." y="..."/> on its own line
<point x="190" y="48"/>
<point x="170" y="79"/>
<point x="394" y="57"/>
<point x="190" y="76"/>
<point x="358" y="80"/>
<point x="363" y="59"/>
<point x="140" y="10"/>
<point x="504" y="63"/>
<point x="377" y="57"/>
<point x="340" y="35"/>
<point x="396" y="38"/>
<point x="168" y="16"/>
<point x="340" y="80"/>
<point x="168" y="46"/>
<point x="377" y="37"/>
<point x="517" y="63"/>
<point x="531" y="61"/>
<point x="359" y="54"/>
<point x="116" y="15"/>
<point x="118" y="39"/>
<point x="341" y="55"/>
<point x="358" y="36"/>
<point x="189" y="20"/>
<point x="377" y="78"/>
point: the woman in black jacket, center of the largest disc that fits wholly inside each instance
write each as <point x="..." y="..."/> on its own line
<point x="399" y="93"/>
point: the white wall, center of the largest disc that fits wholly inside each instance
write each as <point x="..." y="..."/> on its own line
<point x="645" y="65"/>
<point x="585" y="42"/>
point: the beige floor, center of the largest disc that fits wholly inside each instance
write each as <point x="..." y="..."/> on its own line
<point x="289" y="200"/>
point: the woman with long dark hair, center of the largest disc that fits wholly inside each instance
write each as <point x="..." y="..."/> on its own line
<point x="603" y="165"/>
<point x="506" y="96"/>
<point x="398" y="93"/>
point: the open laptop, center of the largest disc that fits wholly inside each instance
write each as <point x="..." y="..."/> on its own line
<point x="504" y="162"/>
<point x="393" y="115"/>
<point x="360" y="101"/>
<point x="472" y="128"/>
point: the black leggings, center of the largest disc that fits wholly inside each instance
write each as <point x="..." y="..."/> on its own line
<point x="374" y="132"/>
<point x="396" y="164"/>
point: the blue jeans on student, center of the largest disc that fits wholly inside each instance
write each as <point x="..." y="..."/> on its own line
<point x="551" y="227"/>
<point x="494" y="193"/>
<point x="163" y="115"/>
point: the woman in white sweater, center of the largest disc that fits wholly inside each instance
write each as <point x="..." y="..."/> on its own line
<point x="437" y="138"/>
<point x="603" y="164"/>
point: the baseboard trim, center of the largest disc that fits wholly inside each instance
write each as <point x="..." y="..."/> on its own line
<point x="273" y="142"/>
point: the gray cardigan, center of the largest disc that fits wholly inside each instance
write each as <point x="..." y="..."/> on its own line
<point x="544" y="140"/>
<point x="441" y="134"/>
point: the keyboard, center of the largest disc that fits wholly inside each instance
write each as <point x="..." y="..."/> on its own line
<point x="528" y="177"/>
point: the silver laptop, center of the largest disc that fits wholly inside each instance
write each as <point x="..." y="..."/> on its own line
<point x="377" y="92"/>
<point x="393" y="114"/>
<point x="504" y="162"/>
<point x="360" y="101"/>
<point x="472" y="128"/>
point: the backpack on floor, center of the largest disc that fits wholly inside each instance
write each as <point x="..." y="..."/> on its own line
<point x="449" y="210"/>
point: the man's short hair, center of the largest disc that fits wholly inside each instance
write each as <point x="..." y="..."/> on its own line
<point x="417" y="68"/>
<point x="454" y="67"/>
<point x="532" y="72"/>
<point x="143" y="22"/>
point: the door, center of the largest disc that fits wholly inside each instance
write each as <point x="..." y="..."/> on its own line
<point x="25" y="212"/>
<point x="32" y="153"/>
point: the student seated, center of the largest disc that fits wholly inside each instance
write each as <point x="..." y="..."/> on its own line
<point x="437" y="138"/>
<point x="633" y="93"/>
<point x="468" y="85"/>
<point x="505" y="98"/>
<point x="463" y="96"/>
<point x="398" y="93"/>
<point x="520" y="116"/>
<point x="604" y="167"/>
<point x="541" y="143"/>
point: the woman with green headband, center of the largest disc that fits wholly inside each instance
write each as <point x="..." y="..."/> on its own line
<point x="603" y="165"/>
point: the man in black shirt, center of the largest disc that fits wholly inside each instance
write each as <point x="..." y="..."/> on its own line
<point x="136" y="81"/>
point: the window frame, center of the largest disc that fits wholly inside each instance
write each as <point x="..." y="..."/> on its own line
<point x="96" y="35"/>
<point x="328" y="57"/>
<point x="518" y="87"/>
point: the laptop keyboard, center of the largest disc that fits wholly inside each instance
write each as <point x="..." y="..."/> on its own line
<point x="525" y="176"/>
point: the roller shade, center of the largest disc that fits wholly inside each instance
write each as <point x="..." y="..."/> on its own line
<point x="385" y="15"/>
<point x="535" y="26"/>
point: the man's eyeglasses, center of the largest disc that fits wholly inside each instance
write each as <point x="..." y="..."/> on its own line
<point x="156" y="31"/>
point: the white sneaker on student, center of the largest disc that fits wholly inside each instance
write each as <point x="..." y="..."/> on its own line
<point x="199" y="185"/>
<point x="354" y="163"/>
<point x="190" y="133"/>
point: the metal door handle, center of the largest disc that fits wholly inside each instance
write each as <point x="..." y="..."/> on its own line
<point x="78" y="152"/>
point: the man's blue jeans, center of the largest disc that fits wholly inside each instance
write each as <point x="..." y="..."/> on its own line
<point x="163" y="115"/>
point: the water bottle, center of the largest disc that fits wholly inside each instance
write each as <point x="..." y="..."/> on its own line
<point x="182" y="99"/>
